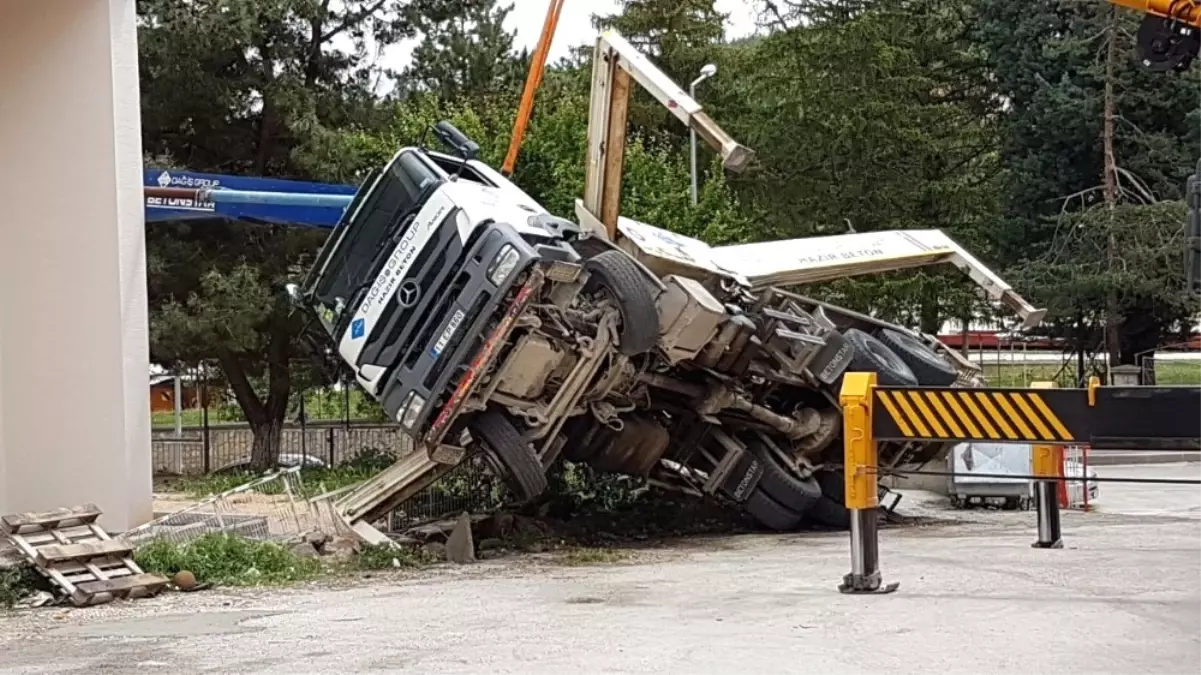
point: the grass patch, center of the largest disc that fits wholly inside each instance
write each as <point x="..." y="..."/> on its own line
<point x="314" y="481"/>
<point x="594" y="556"/>
<point x="1021" y="375"/>
<point x="386" y="557"/>
<point x="229" y="560"/>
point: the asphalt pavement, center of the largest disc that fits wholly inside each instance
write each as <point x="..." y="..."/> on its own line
<point x="1121" y="597"/>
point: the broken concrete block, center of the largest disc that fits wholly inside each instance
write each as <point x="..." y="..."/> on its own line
<point x="460" y="546"/>
<point x="305" y="550"/>
<point x="318" y="539"/>
<point x="491" y="544"/>
<point x="341" y="548"/>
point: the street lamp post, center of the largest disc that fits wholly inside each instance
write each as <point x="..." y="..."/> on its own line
<point x="707" y="72"/>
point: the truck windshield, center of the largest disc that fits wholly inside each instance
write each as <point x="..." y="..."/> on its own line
<point x="358" y="243"/>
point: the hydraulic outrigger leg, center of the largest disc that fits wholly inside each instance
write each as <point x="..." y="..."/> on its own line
<point x="862" y="494"/>
<point x="1045" y="461"/>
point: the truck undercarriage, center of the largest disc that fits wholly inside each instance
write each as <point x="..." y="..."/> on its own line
<point x="493" y="327"/>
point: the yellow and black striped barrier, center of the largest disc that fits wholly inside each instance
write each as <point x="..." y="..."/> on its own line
<point x="1115" y="417"/>
<point x="980" y="415"/>
<point x="1120" y="417"/>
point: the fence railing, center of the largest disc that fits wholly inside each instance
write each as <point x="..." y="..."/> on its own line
<point x="270" y="507"/>
<point x="202" y="450"/>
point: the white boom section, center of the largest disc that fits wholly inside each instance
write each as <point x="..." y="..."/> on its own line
<point x="815" y="259"/>
<point x="607" y="118"/>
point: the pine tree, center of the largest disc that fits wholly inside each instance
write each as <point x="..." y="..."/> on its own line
<point x="465" y="53"/>
<point x="680" y="35"/>
<point x="1091" y="145"/>
<point x="248" y="87"/>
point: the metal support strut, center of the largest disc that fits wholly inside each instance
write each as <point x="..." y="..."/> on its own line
<point x="862" y="494"/>
<point x="1046" y="461"/>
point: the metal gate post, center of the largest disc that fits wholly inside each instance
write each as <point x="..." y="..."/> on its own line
<point x="862" y="497"/>
<point x="1046" y="461"/>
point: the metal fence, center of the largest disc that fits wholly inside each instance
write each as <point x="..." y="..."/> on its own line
<point x="268" y="508"/>
<point x="470" y="487"/>
<point x="202" y="450"/>
<point x="274" y="507"/>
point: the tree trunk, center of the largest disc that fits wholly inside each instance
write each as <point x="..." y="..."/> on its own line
<point x="267" y="118"/>
<point x="279" y="389"/>
<point x="264" y="453"/>
<point x="930" y="317"/>
<point x="966" y="347"/>
<point x="1112" y="314"/>
<point x="266" y="418"/>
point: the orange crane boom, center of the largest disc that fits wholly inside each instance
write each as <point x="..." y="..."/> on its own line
<point x="532" y="81"/>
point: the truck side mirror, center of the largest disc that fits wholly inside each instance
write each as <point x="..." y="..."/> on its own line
<point x="1192" y="236"/>
<point x="457" y="140"/>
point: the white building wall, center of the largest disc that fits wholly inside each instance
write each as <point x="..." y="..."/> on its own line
<point x="74" y="426"/>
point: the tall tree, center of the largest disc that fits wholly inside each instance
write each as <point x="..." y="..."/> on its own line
<point x="1084" y="128"/>
<point x="249" y="86"/>
<point x="870" y="116"/>
<point x="465" y="52"/>
<point x="678" y="34"/>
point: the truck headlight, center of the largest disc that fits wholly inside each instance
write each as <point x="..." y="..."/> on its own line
<point x="503" y="265"/>
<point x="412" y="410"/>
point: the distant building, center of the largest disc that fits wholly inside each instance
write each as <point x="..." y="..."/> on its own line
<point x="162" y="393"/>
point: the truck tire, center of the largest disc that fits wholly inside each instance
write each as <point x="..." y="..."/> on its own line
<point x="830" y="513"/>
<point x="614" y="272"/>
<point x="830" y="510"/>
<point x="770" y="513"/>
<point x="510" y="454"/>
<point x="874" y="356"/>
<point x="796" y="494"/>
<point x="833" y="485"/>
<point x="928" y="367"/>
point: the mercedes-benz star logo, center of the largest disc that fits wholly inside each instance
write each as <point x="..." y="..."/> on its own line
<point x="408" y="293"/>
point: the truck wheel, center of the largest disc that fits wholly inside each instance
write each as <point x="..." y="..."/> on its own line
<point x="830" y="513"/>
<point x="614" y="273"/>
<point x="874" y="356"/>
<point x="509" y="453"/>
<point x="830" y="510"/>
<point x="796" y="494"/>
<point x="928" y="367"/>
<point x="833" y="485"/>
<point x="770" y="513"/>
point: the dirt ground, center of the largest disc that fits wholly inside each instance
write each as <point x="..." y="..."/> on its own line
<point x="247" y="503"/>
<point x="1121" y="597"/>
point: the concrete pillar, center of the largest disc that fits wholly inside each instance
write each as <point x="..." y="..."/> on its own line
<point x="74" y="398"/>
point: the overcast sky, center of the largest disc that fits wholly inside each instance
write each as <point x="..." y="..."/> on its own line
<point x="575" y="25"/>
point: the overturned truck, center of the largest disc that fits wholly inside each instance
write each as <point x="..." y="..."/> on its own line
<point x="486" y="325"/>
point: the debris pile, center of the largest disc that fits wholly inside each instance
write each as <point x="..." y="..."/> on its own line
<point x="78" y="556"/>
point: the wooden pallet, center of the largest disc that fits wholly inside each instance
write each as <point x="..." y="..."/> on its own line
<point x="69" y="547"/>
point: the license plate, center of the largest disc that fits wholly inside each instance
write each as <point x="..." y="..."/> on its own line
<point x="451" y="329"/>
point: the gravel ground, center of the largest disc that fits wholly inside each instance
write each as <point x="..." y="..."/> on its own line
<point x="1122" y="597"/>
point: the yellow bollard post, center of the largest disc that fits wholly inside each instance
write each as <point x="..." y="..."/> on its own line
<point x="1046" y="461"/>
<point x="862" y="493"/>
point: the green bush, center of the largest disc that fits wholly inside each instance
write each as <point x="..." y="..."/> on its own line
<point x="16" y="584"/>
<point x="228" y="559"/>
